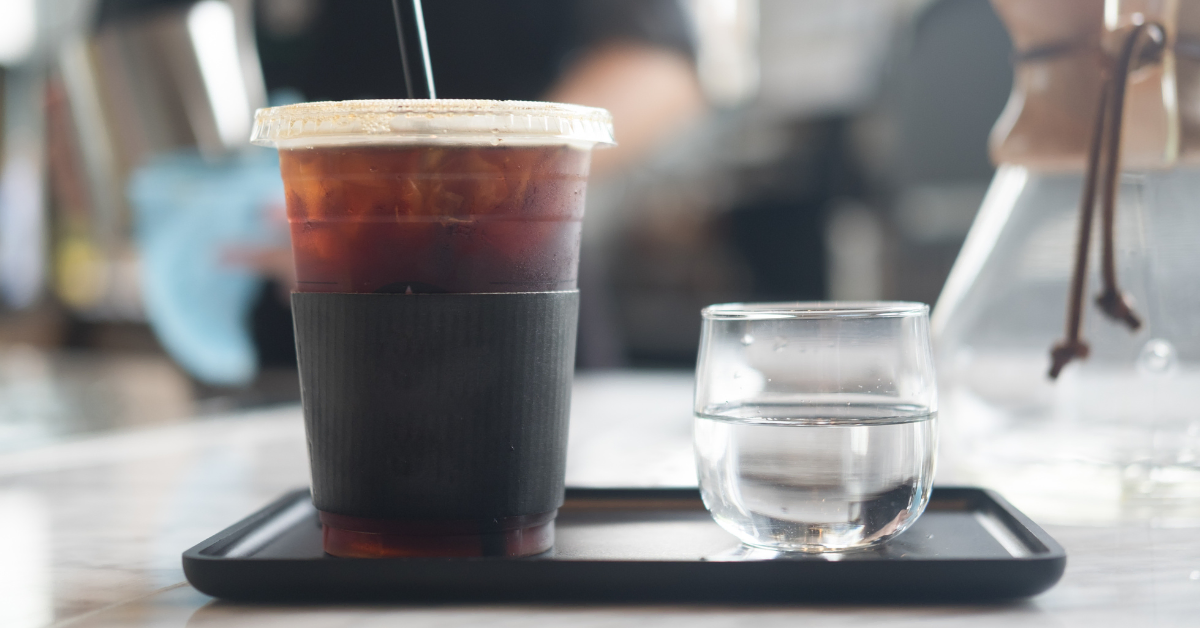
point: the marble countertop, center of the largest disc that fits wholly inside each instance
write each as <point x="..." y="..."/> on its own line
<point x="94" y="526"/>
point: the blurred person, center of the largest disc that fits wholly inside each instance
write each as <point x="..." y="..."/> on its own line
<point x="202" y="222"/>
<point x="632" y="57"/>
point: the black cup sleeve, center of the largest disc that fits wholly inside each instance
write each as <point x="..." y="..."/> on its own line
<point x="436" y="406"/>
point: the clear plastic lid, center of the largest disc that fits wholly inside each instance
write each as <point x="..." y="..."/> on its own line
<point x="455" y="122"/>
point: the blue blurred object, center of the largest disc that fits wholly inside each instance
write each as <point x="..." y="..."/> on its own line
<point x="188" y="213"/>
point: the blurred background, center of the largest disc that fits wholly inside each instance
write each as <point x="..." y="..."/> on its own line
<point x="770" y="150"/>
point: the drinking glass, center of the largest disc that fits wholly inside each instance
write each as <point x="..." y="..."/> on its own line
<point x="816" y="423"/>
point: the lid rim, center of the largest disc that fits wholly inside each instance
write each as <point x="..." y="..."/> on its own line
<point x="814" y="310"/>
<point x="443" y="106"/>
<point x="441" y="120"/>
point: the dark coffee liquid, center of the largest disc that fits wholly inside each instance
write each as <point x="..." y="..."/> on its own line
<point x="354" y="537"/>
<point x="435" y="219"/>
<point x="432" y="219"/>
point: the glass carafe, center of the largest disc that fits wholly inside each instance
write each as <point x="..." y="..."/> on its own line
<point x="1116" y="436"/>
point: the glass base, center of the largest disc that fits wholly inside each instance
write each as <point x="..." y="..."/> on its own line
<point x="357" y="537"/>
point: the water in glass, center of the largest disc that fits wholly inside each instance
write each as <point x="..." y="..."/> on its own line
<point x="812" y="479"/>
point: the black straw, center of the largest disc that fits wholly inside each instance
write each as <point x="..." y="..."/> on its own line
<point x="414" y="49"/>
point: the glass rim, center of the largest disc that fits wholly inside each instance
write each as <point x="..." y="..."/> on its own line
<point x="813" y="310"/>
<point x="439" y="122"/>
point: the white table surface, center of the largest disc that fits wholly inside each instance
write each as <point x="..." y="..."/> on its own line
<point x="93" y="529"/>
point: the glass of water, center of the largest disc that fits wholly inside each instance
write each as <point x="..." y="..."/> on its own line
<point x="816" y="423"/>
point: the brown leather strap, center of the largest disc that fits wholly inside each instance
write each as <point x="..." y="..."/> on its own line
<point x="1143" y="41"/>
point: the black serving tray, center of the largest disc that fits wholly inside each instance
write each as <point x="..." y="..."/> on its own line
<point x="644" y="545"/>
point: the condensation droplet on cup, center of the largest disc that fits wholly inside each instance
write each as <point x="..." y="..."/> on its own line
<point x="1157" y="357"/>
<point x="747" y="340"/>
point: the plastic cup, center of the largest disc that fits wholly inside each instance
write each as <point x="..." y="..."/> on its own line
<point x="420" y="197"/>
